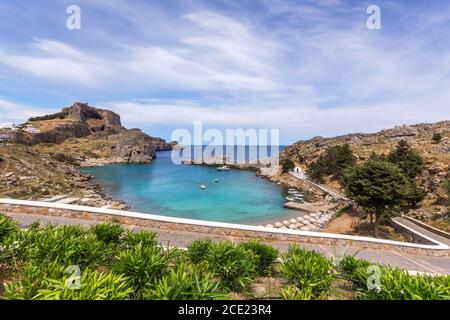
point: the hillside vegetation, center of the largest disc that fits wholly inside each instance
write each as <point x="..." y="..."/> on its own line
<point x="106" y="262"/>
<point x="427" y="162"/>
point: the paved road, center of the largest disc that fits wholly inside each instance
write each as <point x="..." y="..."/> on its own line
<point x="333" y="193"/>
<point x="423" y="231"/>
<point x="181" y="239"/>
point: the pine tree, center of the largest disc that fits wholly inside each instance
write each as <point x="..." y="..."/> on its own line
<point x="407" y="159"/>
<point x="381" y="188"/>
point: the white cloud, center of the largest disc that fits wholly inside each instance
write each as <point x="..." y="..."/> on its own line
<point x="310" y="68"/>
<point x="12" y="112"/>
<point x="53" y="60"/>
<point x="294" y="121"/>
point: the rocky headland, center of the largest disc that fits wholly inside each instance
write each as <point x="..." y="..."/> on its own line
<point x="42" y="157"/>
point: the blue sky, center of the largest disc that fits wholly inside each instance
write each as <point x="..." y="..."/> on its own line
<point x="306" y="67"/>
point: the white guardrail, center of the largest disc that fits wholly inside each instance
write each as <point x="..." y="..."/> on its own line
<point x="436" y="246"/>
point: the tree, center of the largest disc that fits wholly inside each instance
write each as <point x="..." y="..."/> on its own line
<point x="378" y="157"/>
<point x="380" y="188"/>
<point x="287" y="165"/>
<point x="332" y="162"/>
<point x="437" y="137"/>
<point x="407" y="159"/>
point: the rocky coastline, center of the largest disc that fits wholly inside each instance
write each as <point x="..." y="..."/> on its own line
<point x="41" y="158"/>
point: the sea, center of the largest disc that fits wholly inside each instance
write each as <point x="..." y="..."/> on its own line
<point x="165" y="188"/>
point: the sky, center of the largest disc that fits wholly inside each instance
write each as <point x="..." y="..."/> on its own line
<point x="308" y="68"/>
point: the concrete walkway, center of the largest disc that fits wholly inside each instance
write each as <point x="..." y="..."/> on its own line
<point x="181" y="239"/>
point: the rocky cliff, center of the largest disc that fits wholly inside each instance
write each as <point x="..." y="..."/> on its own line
<point x="90" y="135"/>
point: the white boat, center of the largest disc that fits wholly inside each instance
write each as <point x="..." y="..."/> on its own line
<point x="223" y="168"/>
<point x="202" y="186"/>
<point x="216" y="180"/>
<point x="292" y="191"/>
<point x="289" y="198"/>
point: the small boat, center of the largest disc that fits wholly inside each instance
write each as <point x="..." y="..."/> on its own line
<point x="289" y="198"/>
<point x="202" y="186"/>
<point x="216" y="180"/>
<point x="223" y="168"/>
<point x="292" y="191"/>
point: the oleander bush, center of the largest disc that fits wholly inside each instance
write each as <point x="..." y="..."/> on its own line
<point x="71" y="245"/>
<point x="235" y="266"/>
<point x="108" y="232"/>
<point x="186" y="283"/>
<point x="54" y="282"/>
<point x="292" y="292"/>
<point x="198" y="250"/>
<point x="266" y="256"/>
<point x="146" y="238"/>
<point x="141" y="264"/>
<point x="7" y="227"/>
<point x="38" y="263"/>
<point x="308" y="271"/>
<point x="394" y="283"/>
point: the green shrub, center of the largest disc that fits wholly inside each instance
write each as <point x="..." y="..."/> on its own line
<point x="7" y="227"/>
<point x="407" y="159"/>
<point x="287" y="165"/>
<point x="142" y="265"/>
<point x="108" y="232"/>
<point x="146" y="238"/>
<point x="307" y="270"/>
<point x="398" y="284"/>
<point x="355" y="269"/>
<point x="437" y="137"/>
<point x="291" y="292"/>
<point x="62" y="157"/>
<point x="395" y="284"/>
<point x="53" y="283"/>
<point x="333" y="161"/>
<point x="33" y="277"/>
<point x="69" y="245"/>
<point x="234" y="265"/>
<point x="267" y="256"/>
<point x="59" y="115"/>
<point x="198" y="250"/>
<point x="182" y="283"/>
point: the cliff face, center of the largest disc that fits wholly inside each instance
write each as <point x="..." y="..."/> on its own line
<point x="419" y="136"/>
<point x="87" y="133"/>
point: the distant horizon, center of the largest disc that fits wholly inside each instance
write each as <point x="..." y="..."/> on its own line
<point x="284" y="144"/>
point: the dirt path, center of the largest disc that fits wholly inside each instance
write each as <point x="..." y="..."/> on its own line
<point x="344" y="224"/>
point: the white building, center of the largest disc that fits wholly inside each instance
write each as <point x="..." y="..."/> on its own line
<point x="301" y="172"/>
<point x="4" y="137"/>
<point x="32" y="130"/>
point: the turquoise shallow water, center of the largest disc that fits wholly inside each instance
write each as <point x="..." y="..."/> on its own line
<point x="173" y="190"/>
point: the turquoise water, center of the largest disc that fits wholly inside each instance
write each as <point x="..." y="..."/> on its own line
<point x="174" y="190"/>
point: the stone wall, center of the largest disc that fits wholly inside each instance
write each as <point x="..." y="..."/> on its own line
<point x="225" y="230"/>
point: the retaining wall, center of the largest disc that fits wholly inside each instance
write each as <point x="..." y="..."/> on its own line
<point x="225" y="230"/>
